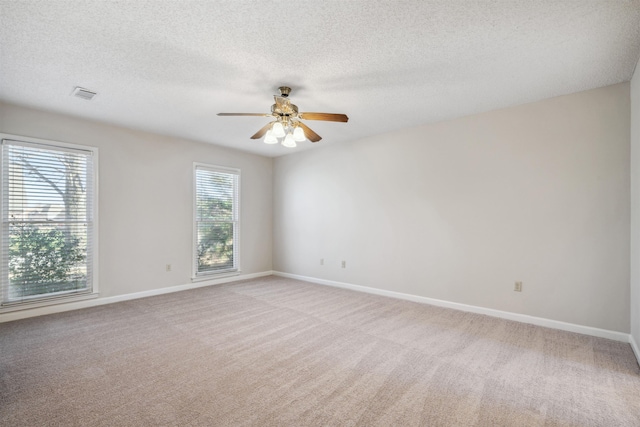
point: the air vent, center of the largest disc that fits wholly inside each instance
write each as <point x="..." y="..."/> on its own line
<point x="82" y="93"/>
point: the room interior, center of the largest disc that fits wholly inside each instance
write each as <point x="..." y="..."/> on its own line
<point x="488" y="143"/>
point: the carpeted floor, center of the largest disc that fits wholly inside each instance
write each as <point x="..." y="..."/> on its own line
<point x="280" y="352"/>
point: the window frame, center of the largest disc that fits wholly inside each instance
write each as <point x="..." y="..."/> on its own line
<point x="236" y="270"/>
<point x="92" y="263"/>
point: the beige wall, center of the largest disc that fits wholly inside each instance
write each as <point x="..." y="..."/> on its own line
<point x="459" y="210"/>
<point x="635" y="209"/>
<point x="145" y="198"/>
<point x="456" y="210"/>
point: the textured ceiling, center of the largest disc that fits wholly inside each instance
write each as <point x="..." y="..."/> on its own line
<point x="170" y="66"/>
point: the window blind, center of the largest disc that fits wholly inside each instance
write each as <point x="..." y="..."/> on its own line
<point x="47" y="221"/>
<point x="216" y="220"/>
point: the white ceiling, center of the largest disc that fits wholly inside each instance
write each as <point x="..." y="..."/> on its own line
<point x="169" y="66"/>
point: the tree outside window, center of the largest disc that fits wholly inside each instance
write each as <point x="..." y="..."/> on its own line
<point x="216" y="205"/>
<point x="46" y="220"/>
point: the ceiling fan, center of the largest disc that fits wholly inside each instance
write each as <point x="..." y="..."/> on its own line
<point x="287" y="124"/>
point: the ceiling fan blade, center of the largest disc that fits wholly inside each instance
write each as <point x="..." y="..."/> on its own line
<point x="262" y="131"/>
<point x="311" y="135"/>
<point x="245" y="114"/>
<point x="328" y="117"/>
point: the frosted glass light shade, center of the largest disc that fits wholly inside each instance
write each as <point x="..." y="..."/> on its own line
<point x="289" y="142"/>
<point x="270" y="138"/>
<point x="278" y="130"/>
<point x="298" y="134"/>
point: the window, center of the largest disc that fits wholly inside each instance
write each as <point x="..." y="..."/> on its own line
<point x="216" y="227"/>
<point x="48" y="191"/>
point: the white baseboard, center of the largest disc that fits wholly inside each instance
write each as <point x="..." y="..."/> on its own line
<point x="68" y="306"/>
<point x="634" y="346"/>
<point x="523" y="318"/>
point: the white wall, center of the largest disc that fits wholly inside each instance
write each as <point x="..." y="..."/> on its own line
<point x="635" y="210"/>
<point x="459" y="210"/>
<point x="145" y="198"/>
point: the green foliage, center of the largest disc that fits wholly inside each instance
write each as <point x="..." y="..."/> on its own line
<point x="215" y="246"/>
<point x="215" y="238"/>
<point x="215" y="217"/>
<point x="210" y="208"/>
<point x="43" y="260"/>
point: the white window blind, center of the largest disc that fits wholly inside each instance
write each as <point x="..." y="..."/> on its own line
<point x="47" y="221"/>
<point x="216" y="225"/>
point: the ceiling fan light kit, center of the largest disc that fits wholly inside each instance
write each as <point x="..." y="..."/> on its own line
<point x="287" y="129"/>
<point x="278" y="130"/>
<point x="289" y="142"/>
<point x="270" y="138"/>
<point x="298" y="134"/>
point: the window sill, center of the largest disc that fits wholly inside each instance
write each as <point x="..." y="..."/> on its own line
<point x="17" y="306"/>
<point x="215" y="276"/>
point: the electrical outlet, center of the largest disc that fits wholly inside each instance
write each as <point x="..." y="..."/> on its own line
<point x="518" y="287"/>
<point x="344" y="264"/>
<point x="168" y="267"/>
<point x="321" y="261"/>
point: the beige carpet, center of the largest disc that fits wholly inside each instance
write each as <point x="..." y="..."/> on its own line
<point x="280" y="352"/>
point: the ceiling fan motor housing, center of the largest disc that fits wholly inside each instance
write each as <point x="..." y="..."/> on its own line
<point x="285" y="110"/>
